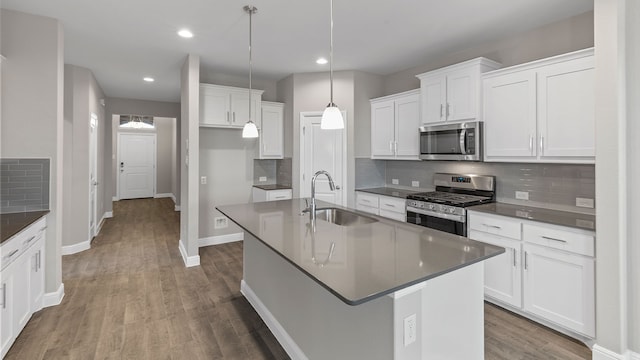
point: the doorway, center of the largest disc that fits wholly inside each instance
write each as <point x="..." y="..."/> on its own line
<point x="136" y="165"/>
<point x="322" y="150"/>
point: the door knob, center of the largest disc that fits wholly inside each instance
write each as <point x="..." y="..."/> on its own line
<point x="338" y="187"/>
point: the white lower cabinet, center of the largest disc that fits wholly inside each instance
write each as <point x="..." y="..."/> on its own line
<point x="22" y="285"/>
<point x="260" y="195"/>
<point x="546" y="273"/>
<point x="386" y="206"/>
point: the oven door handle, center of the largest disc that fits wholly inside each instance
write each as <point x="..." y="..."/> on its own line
<point x="458" y="218"/>
<point x="463" y="137"/>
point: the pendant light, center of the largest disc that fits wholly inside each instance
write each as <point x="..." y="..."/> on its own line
<point x="250" y="130"/>
<point x="331" y="117"/>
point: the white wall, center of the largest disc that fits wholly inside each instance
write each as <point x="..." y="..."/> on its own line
<point x="32" y="111"/>
<point x="226" y="159"/>
<point x="82" y="96"/>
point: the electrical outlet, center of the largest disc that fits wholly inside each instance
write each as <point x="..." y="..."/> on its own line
<point x="522" y="195"/>
<point x="262" y="179"/>
<point x="203" y="180"/>
<point x="415" y="183"/>
<point x="410" y="329"/>
<point x="220" y="222"/>
<point x="395" y="181"/>
<point x="584" y="202"/>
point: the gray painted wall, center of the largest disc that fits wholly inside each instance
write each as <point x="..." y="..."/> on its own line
<point x="226" y="159"/>
<point x="209" y="76"/>
<point x="137" y="107"/>
<point x="285" y="95"/>
<point x="366" y="86"/>
<point x="557" y="38"/>
<point x="82" y="96"/>
<point x="32" y="111"/>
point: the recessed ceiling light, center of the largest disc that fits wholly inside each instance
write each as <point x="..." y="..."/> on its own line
<point x="149" y="79"/>
<point x="321" y="61"/>
<point x="185" y="33"/>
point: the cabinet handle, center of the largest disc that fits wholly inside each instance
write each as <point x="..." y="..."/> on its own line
<point x="531" y="144"/>
<point x="448" y="112"/>
<point x="12" y="253"/>
<point x="280" y="197"/>
<point x="395" y="149"/>
<point x="43" y="229"/>
<point x="39" y="260"/>
<point x="514" y="257"/>
<point x="441" y="109"/>
<point x="4" y="295"/>
<point x="234" y="116"/>
<point x="554" y="239"/>
<point x="391" y="145"/>
<point x="492" y="226"/>
<point x="525" y="261"/>
<point x="541" y="145"/>
<point x="228" y="118"/>
<point x="30" y="240"/>
<point x="365" y="200"/>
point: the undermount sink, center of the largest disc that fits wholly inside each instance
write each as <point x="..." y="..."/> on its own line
<point x="343" y="217"/>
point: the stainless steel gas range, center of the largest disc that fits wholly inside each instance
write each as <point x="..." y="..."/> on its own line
<point x="444" y="209"/>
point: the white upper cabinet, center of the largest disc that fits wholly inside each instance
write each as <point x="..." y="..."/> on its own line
<point x="453" y="93"/>
<point x="541" y="111"/>
<point x="395" y="120"/>
<point x="228" y="107"/>
<point x="271" y="131"/>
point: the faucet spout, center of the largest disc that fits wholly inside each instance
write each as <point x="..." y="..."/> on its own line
<point x="332" y="186"/>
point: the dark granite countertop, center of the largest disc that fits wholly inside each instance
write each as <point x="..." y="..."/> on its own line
<point x="11" y="224"/>
<point x="390" y="191"/>
<point x="555" y="217"/>
<point x="380" y="257"/>
<point x="273" y="187"/>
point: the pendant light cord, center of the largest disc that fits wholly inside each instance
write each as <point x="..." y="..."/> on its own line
<point x="331" y="53"/>
<point x="251" y="11"/>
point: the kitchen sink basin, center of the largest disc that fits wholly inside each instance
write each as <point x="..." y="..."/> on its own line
<point x="343" y="217"/>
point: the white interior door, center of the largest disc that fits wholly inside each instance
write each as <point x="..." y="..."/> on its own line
<point x="136" y="165"/>
<point x="93" y="175"/>
<point x="322" y="150"/>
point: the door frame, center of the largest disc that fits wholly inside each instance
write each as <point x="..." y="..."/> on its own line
<point x="307" y="115"/>
<point x="93" y="152"/>
<point x="155" y="158"/>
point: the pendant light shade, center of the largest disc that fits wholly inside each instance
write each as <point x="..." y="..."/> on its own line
<point x="250" y="130"/>
<point x="331" y="117"/>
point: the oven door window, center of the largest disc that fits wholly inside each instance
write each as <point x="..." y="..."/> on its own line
<point x="449" y="226"/>
<point x="440" y="142"/>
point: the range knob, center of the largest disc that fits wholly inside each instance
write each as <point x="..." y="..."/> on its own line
<point x="451" y="210"/>
<point x="431" y="206"/>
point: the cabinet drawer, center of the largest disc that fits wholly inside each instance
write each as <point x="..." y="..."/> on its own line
<point x="497" y="225"/>
<point x="393" y="204"/>
<point x="560" y="238"/>
<point x="14" y="247"/>
<point x="367" y="200"/>
<point x="368" y="209"/>
<point x="278" y="195"/>
<point x="393" y="215"/>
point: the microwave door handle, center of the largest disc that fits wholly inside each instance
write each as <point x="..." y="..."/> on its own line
<point x="463" y="136"/>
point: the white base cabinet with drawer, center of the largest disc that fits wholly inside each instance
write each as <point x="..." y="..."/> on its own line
<point x="386" y="206"/>
<point x="260" y="195"/>
<point x="547" y="272"/>
<point x="22" y="281"/>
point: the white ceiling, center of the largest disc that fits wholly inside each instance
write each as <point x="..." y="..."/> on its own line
<point x="122" y="41"/>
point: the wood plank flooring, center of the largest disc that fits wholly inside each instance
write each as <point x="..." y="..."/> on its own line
<point x="130" y="297"/>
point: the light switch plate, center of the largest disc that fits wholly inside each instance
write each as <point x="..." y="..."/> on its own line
<point x="395" y="181"/>
<point x="220" y="222"/>
<point x="410" y="329"/>
<point x="522" y="195"/>
<point x="262" y="179"/>
<point x="584" y="202"/>
<point x="203" y="180"/>
<point x="415" y="183"/>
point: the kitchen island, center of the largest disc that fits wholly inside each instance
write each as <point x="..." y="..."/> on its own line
<point x="374" y="289"/>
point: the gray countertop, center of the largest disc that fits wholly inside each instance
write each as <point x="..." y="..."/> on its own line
<point x="11" y="224"/>
<point x="555" y="217"/>
<point x="378" y="258"/>
<point x="390" y="191"/>
<point x="273" y="187"/>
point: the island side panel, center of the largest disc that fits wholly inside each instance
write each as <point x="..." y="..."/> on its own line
<point x="320" y="324"/>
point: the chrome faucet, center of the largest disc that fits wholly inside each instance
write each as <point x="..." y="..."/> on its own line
<point x="332" y="186"/>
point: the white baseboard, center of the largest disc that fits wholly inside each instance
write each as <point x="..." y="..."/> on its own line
<point x="189" y="261"/>
<point x="115" y="198"/>
<point x="163" y="195"/>
<point x="601" y="353"/>
<point x="53" y="298"/>
<point x="106" y="215"/>
<point x="177" y="208"/>
<point x="292" y="349"/>
<point x="76" y="248"/>
<point x="220" y="239"/>
<point x="173" y="197"/>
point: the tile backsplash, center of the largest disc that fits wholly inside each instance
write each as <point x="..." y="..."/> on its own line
<point x="370" y="173"/>
<point x="24" y="185"/>
<point x="284" y="171"/>
<point x="553" y="186"/>
<point x="276" y="171"/>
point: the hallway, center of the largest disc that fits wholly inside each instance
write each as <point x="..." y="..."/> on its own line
<point x="130" y="297"/>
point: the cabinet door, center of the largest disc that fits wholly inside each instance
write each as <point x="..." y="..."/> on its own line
<point x="214" y="107"/>
<point x="382" y="129"/>
<point x="502" y="273"/>
<point x="566" y="94"/>
<point x="559" y="287"/>
<point x="462" y="94"/>
<point x="510" y="116"/>
<point x="36" y="277"/>
<point x="407" y="122"/>
<point x="271" y="139"/>
<point x="6" y="310"/>
<point x="20" y="294"/>
<point x="240" y="107"/>
<point x="434" y="98"/>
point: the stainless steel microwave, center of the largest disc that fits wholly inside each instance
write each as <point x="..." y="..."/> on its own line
<point x="460" y="141"/>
